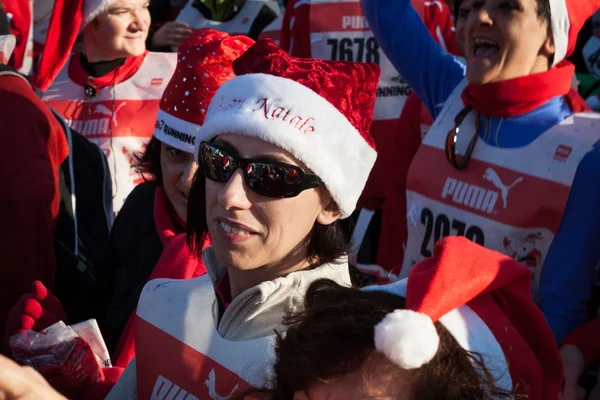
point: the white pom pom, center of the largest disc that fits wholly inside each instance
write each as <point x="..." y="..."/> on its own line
<point x="407" y="338"/>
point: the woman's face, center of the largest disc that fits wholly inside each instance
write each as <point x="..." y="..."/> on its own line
<point x="178" y="169"/>
<point x="503" y="39"/>
<point x="118" y="32"/>
<point x="250" y="231"/>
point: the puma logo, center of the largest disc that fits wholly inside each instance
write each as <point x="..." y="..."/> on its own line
<point x="492" y="176"/>
<point x="164" y="389"/>
<point x="211" y="383"/>
<point x="102" y="109"/>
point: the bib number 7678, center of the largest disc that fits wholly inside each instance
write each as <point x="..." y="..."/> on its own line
<point x="357" y="49"/>
<point x="440" y="226"/>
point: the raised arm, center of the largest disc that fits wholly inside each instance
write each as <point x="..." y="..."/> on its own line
<point x="430" y="70"/>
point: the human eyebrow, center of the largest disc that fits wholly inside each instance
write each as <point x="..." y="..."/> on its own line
<point x="273" y="158"/>
<point x="226" y="146"/>
<point x="119" y="10"/>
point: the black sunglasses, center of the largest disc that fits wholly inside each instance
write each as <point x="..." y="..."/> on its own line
<point x="267" y="178"/>
<point x="450" y="148"/>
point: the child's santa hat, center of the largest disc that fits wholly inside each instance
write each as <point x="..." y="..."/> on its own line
<point x="318" y="110"/>
<point x="483" y="299"/>
<point x="204" y="62"/>
<point x="68" y="19"/>
<point x="567" y="19"/>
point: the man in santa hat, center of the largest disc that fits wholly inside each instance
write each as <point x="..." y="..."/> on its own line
<point x="511" y="153"/>
<point x="108" y="88"/>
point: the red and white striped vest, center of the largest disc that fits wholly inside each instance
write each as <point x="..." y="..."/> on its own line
<point x="120" y="118"/>
<point x="507" y="199"/>
<point x="181" y="355"/>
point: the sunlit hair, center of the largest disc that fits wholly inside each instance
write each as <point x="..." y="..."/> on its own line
<point x="333" y="338"/>
<point x="147" y="163"/>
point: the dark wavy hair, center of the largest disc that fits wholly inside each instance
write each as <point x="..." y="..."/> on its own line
<point x="333" y="338"/>
<point x="326" y="243"/>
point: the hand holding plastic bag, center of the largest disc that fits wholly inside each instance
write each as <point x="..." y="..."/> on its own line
<point x="66" y="360"/>
<point x="36" y="310"/>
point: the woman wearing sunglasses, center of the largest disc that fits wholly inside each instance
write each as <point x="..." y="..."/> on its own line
<point x="509" y="162"/>
<point x="283" y="157"/>
<point x="154" y="214"/>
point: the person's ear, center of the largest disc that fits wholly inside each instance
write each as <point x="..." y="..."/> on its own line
<point x="329" y="214"/>
<point x="548" y="48"/>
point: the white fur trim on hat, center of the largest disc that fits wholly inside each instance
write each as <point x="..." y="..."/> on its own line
<point x="559" y="16"/>
<point x="407" y="338"/>
<point x="175" y="132"/>
<point x="290" y="115"/>
<point x="93" y="8"/>
<point x="471" y="333"/>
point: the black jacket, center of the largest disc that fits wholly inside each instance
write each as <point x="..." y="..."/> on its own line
<point x="134" y="250"/>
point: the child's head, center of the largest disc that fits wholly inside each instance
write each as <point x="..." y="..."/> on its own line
<point x="462" y="326"/>
<point x="329" y="353"/>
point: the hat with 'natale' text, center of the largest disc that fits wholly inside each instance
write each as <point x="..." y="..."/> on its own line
<point x="320" y="111"/>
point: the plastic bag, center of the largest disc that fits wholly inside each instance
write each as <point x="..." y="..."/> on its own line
<point x="90" y="332"/>
<point x="66" y="360"/>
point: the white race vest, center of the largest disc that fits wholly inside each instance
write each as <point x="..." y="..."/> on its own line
<point x="180" y="354"/>
<point x="507" y="199"/>
<point x="340" y="31"/>
<point x="240" y="24"/>
<point x="120" y="119"/>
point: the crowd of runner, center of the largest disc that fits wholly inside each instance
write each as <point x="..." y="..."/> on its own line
<point x="301" y="200"/>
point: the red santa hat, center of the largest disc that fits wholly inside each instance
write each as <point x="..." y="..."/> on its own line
<point x="318" y="110"/>
<point x="204" y="62"/>
<point x="483" y="299"/>
<point x="567" y="19"/>
<point x="68" y="18"/>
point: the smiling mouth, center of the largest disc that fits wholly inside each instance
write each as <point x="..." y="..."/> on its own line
<point x="233" y="229"/>
<point x="485" y="48"/>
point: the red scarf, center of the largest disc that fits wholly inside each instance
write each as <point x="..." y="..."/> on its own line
<point x="176" y="262"/>
<point x="521" y="95"/>
<point x="120" y="74"/>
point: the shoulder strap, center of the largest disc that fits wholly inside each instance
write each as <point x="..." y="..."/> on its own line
<point x="69" y="197"/>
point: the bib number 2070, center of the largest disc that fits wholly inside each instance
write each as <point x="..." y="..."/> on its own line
<point x="440" y="226"/>
<point x="357" y="49"/>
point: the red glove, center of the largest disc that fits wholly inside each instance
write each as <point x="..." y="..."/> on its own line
<point x="36" y="310"/>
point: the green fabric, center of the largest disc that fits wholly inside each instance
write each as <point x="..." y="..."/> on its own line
<point x="586" y="81"/>
<point x="217" y="8"/>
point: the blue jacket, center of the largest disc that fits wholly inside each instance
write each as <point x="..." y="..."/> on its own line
<point x="569" y="268"/>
